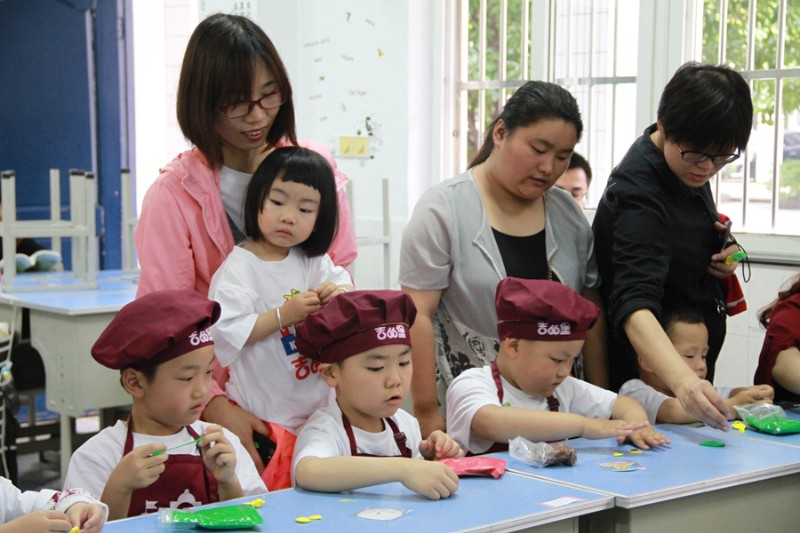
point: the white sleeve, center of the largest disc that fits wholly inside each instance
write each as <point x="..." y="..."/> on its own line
<point x="586" y="399"/>
<point x="650" y="398"/>
<point x="16" y="503"/>
<point x="319" y="440"/>
<point x="62" y="501"/>
<point x="466" y="395"/>
<point x="92" y="464"/>
<point x="239" y="309"/>
<point x="725" y="392"/>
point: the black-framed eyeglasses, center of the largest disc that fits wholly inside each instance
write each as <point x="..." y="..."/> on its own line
<point x="693" y="156"/>
<point x="242" y="109"/>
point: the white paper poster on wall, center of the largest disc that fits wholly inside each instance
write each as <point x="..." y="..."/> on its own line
<point x="245" y="8"/>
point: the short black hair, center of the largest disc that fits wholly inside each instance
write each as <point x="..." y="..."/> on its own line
<point x="297" y="165"/>
<point x="534" y="101"/>
<point x="707" y="107"/>
<point x="578" y="161"/>
<point x="675" y="313"/>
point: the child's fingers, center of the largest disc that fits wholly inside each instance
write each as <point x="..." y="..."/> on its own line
<point x="638" y="440"/>
<point x="213" y="436"/>
<point x="148" y="449"/>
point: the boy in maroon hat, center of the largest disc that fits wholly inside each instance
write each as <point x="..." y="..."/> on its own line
<point x="362" y="342"/>
<point x="527" y="391"/>
<point x="161" y="346"/>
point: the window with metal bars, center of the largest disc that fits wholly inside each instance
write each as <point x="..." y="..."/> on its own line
<point x="592" y="48"/>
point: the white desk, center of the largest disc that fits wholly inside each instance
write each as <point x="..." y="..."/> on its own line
<point x="511" y="503"/>
<point x="64" y="326"/>
<point x="749" y="485"/>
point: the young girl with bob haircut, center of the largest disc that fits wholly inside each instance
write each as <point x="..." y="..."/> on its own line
<point x="659" y="236"/>
<point x="235" y="105"/>
<point x="269" y="284"/>
<point x="500" y="218"/>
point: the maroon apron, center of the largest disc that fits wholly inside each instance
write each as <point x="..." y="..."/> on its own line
<point x="185" y="482"/>
<point x="552" y="404"/>
<point x="399" y="438"/>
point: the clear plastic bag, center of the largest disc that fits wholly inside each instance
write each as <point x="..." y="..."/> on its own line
<point x="541" y="454"/>
<point x="476" y="466"/>
<point x="225" y="517"/>
<point x="768" y="418"/>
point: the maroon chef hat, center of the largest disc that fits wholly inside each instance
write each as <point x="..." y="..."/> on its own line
<point x="155" y="328"/>
<point x="535" y="309"/>
<point x="355" y="322"/>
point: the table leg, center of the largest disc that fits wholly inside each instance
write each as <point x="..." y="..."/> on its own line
<point x="66" y="445"/>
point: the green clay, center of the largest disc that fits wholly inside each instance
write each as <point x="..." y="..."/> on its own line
<point x="226" y="517"/>
<point x="774" y="424"/>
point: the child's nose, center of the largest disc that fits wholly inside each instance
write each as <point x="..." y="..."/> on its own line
<point x="392" y="378"/>
<point x="202" y="388"/>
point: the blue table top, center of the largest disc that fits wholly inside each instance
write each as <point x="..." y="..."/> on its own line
<point x="115" y="289"/>
<point x="680" y="469"/>
<point x="792" y="439"/>
<point x="480" y="504"/>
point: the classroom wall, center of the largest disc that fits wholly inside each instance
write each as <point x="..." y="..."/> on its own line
<point x="366" y="69"/>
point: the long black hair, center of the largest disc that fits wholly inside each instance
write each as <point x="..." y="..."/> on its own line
<point x="534" y="101"/>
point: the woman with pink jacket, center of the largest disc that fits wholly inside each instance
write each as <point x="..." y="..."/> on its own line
<point x="235" y="106"/>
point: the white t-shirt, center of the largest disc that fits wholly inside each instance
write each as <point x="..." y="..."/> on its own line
<point x="233" y="186"/>
<point x="269" y="378"/>
<point x="475" y="388"/>
<point x="92" y="464"/>
<point x="324" y="436"/>
<point x="14" y="503"/>
<point x="651" y="399"/>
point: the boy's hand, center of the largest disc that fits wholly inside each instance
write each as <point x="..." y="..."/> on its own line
<point x="439" y="445"/>
<point x="89" y="517"/>
<point x="218" y="454"/>
<point x="242" y="423"/>
<point x="597" y="428"/>
<point x="430" y="479"/>
<point x="38" y="522"/>
<point x="645" y="438"/>
<point x="328" y="290"/>
<point x="138" y="469"/>
<point x="297" y="308"/>
<point x="754" y="394"/>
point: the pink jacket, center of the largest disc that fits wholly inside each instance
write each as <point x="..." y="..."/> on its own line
<point x="183" y="234"/>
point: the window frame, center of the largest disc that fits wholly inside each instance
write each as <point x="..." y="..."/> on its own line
<point x="661" y="25"/>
